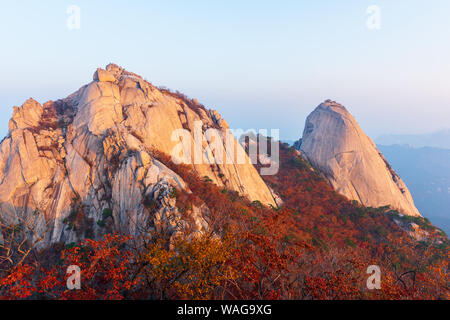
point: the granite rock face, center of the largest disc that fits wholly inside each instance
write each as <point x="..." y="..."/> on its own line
<point x="334" y="143"/>
<point x="76" y="167"/>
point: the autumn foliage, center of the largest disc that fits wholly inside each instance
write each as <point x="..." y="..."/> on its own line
<point x="317" y="245"/>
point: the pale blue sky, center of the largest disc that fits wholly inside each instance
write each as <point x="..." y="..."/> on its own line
<point x="261" y="64"/>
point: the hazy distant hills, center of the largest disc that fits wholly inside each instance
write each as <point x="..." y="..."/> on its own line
<point x="426" y="172"/>
<point x="439" y="139"/>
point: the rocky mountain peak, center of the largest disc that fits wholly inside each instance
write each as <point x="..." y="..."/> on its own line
<point x="75" y="167"/>
<point x="332" y="105"/>
<point x="334" y="143"/>
<point x="28" y="115"/>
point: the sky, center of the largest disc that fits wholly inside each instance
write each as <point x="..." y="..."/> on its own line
<point x="261" y="64"/>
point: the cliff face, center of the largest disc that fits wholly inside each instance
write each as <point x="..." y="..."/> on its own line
<point x="73" y="167"/>
<point x="334" y="143"/>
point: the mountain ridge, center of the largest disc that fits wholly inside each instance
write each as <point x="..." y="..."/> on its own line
<point x="74" y="158"/>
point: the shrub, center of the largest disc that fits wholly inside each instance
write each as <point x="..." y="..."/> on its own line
<point x="173" y="193"/>
<point x="101" y="223"/>
<point x="349" y="242"/>
<point x="107" y="212"/>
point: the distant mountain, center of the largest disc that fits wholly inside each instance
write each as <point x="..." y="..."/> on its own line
<point x="439" y="139"/>
<point x="426" y="171"/>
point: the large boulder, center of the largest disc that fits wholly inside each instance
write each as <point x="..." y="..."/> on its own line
<point x="334" y="143"/>
<point x="104" y="76"/>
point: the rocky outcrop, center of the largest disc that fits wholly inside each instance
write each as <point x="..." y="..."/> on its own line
<point x="78" y="166"/>
<point x="334" y="143"/>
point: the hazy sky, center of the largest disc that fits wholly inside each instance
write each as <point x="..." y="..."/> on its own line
<point x="260" y="64"/>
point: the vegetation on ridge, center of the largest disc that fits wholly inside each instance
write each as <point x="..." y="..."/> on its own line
<point x="318" y="245"/>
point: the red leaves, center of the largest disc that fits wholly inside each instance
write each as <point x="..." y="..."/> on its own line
<point x="18" y="284"/>
<point x="105" y="273"/>
<point x="104" y="268"/>
<point x="317" y="246"/>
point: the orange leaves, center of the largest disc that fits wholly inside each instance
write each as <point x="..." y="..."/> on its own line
<point x="288" y="252"/>
<point x="191" y="269"/>
<point x="317" y="246"/>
